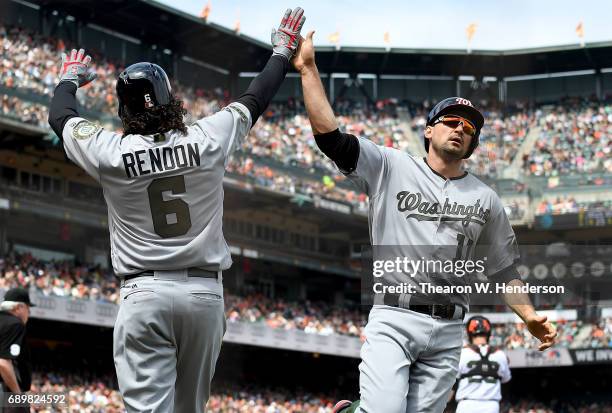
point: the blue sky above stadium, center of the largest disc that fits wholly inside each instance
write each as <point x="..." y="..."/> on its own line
<point x="421" y="24"/>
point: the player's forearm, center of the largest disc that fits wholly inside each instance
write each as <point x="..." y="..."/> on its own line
<point x="519" y="302"/>
<point x="63" y="107"/>
<point x="320" y="112"/>
<point x="8" y="375"/>
<point x="262" y="89"/>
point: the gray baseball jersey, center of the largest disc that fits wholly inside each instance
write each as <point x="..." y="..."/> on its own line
<point x="416" y="212"/>
<point x="164" y="192"/>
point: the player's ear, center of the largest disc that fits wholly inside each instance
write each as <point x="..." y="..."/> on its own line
<point x="428" y="132"/>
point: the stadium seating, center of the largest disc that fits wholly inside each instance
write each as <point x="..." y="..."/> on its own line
<point x="575" y="138"/>
<point x="568" y="205"/>
<point x="101" y="396"/>
<point x="575" y="134"/>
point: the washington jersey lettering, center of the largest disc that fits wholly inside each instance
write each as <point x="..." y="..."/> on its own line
<point x="415" y="209"/>
<point x="164" y="192"/>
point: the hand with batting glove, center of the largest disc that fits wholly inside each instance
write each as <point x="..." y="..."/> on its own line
<point x="285" y="40"/>
<point x="74" y="68"/>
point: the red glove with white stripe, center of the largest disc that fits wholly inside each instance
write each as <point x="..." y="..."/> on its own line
<point x="285" y="40"/>
<point x="74" y="68"/>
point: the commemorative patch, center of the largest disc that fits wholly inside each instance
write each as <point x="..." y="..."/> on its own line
<point x="15" y="350"/>
<point x="85" y="129"/>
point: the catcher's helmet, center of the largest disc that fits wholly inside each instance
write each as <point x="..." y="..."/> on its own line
<point x="141" y="87"/>
<point x="460" y="107"/>
<point x="478" y="326"/>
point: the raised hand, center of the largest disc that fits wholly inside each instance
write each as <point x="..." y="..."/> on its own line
<point x="74" y="68"/>
<point x="305" y="56"/>
<point x="285" y="40"/>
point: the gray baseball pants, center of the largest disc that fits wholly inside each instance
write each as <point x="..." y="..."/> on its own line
<point x="409" y="361"/>
<point x="166" y="341"/>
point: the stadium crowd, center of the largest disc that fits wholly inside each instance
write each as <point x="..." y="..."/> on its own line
<point x="575" y="138"/>
<point x="531" y="406"/>
<point x="601" y="334"/>
<point x="78" y="281"/>
<point x="568" y="205"/>
<point x="23" y="111"/>
<point x="327" y="186"/>
<point x="575" y="135"/>
<point x="311" y="317"/>
<point x="96" y="395"/>
<point x="58" y="278"/>
<point x="500" y="140"/>
<point x="100" y="396"/>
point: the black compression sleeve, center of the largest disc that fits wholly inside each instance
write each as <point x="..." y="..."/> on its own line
<point x="63" y="107"/>
<point x="506" y="275"/>
<point x="342" y="148"/>
<point x="263" y="88"/>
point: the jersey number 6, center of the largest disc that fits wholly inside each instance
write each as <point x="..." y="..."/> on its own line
<point x="161" y="209"/>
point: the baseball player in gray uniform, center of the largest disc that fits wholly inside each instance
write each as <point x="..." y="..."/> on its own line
<point x="482" y="370"/>
<point x="162" y="182"/>
<point x="413" y="340"/>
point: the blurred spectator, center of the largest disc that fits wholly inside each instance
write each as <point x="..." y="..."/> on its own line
<point x="575" y="138"/>
<point x="98" y="395"/>
<point x="568" y="205"/>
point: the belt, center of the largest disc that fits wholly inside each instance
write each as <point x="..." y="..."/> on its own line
<point x="191" y="272"/>
<point x="446" y="311"/>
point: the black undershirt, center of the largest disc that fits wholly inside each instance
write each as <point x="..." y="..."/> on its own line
<point x="262" y="89"/>
<point x="63" y="107"/>
<point x="342" y="148"/>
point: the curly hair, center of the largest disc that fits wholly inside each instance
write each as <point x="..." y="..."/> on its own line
<point x="160" y="119"/>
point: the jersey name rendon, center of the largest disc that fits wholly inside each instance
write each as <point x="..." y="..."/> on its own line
<point x="161" y="159"/>
<point x="407" y="201"/>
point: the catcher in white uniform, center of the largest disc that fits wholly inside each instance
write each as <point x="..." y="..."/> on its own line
<point x="482" y="369"/>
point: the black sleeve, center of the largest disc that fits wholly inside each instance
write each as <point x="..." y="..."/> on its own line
<point x="24" y="366"/>
<point x="11" y="335"/>
<point x="342" y="148"/>
<point x="506" y="275"/>
<point x="63" y="107"/>
<point x="263" y="88"/>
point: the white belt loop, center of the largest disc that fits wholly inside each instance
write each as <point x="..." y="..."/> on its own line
<point x="404" y="301"/>
<point x="379" y="299"/>
<point x="220" y="277"/>
<point x="457" y="312"/>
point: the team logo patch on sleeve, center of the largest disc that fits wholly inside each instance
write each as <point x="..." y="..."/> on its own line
<point x="85" y="129"/>
<point x="15" y="350"/>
